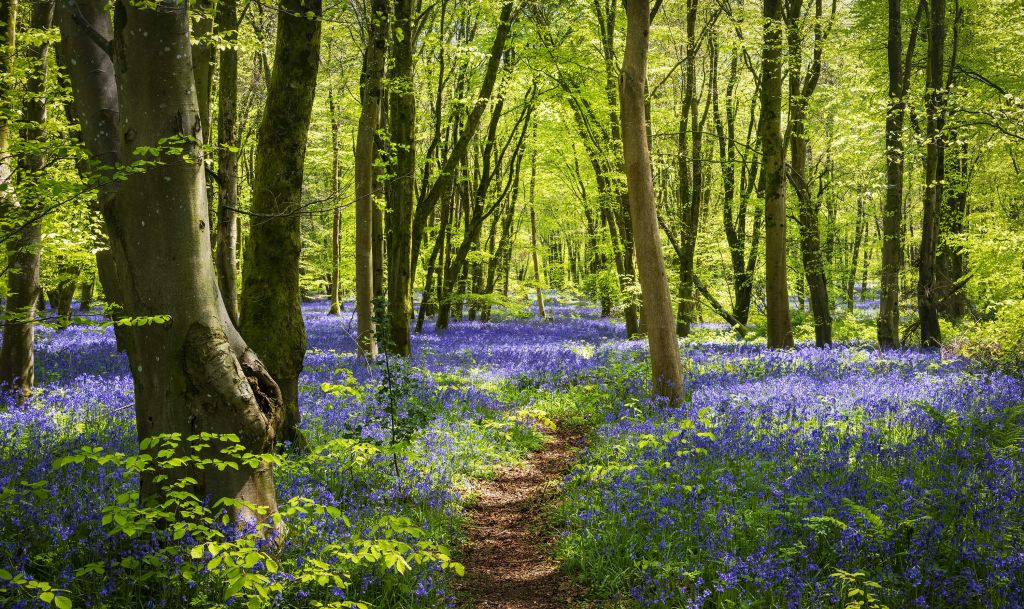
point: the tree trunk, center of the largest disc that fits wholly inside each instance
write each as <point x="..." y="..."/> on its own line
<point x="859" y="229"/>
<point x="193" y="373"/>
<point x="927" y="284"/>
<point x="780" y="330"/>
<point x="402" y="188"/>
<point x="17" y="361"/>
<point x="271" y="310"/>
<point x="533" y="228"/>
<point x="85" y="300"/>
<point x="9" y="16"/>
<point x="336" y="305"/>
<point x="68" y="275"/>
<point x="227" y="160"/>
<point x="666" y="369"/>
<point x="372" y="73"/>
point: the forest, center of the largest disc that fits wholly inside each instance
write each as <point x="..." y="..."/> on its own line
<point x="512" y="304"/>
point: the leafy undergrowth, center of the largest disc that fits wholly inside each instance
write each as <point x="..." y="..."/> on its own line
<point x="373" y="508"/>
<point x="810" y="478"/>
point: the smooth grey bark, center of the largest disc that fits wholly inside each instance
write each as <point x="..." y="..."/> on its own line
<point x="666" y="368"/>
<point x="194" y="373"/>
<point x="271" y="300"/>
<point x="335" y="294"/>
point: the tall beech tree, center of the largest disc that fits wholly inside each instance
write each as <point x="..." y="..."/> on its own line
<point x="402" y="187"/>
<point x="375" y="23"/>
<point x="802" y="84"/>
<point x="899" y="69"/>
<point x="780" y="328"/>
<point x="227" y="158"/>
<point x="17" y="360"/>
<point x="666" y="368"/>
<point x="271" y="313"/>
<point x="193" y="373"/>
<point x="928" y="289"/>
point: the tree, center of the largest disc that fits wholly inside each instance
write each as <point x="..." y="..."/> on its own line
<point x="193" y="373"/>
<point x="780" y="330"/>
<point x="666" y="368"/>
<point x="935" y="101"/>
<point x="17" y="361"/>
<point x="402" y="187"/>
<point x="801" y="88"/>
<point x="375" y="18"/>
<point x="271" y="308"/>
<point x="899" y="68"/>
<point x="227" y="159"/>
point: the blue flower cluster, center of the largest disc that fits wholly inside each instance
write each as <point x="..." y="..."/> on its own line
<point x="803" y="478"/>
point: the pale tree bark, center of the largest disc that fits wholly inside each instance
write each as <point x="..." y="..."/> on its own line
<point x="86" y="34"/>
<point x="533" y="226"/>
<point x="9" y="17"/>
<point x="17" y="360"/>
<point x="373" y="72"/>
<point x="227" y="159"/>
<point x="271" y="310"/>
<point x="194" y="373"/>
<point x="666" y="368"/>
<point x="780" y="329"/>
<point x="336" y="305"/>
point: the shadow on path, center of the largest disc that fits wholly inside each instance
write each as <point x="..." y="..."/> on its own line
<point x="507" y="554"/>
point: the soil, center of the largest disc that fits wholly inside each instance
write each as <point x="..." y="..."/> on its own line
<point x="508" y="551"/>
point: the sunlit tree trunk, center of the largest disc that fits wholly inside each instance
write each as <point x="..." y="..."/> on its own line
<point x="372" y="73"/>
<point x="336" y="214"/>
<point x="666" y="369"/>
<point x="17" y="361"/>
<point x="780" y="330"/>
<point x="533" y="229"/>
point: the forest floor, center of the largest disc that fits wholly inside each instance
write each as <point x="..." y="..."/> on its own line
<point x="508" y="547"/>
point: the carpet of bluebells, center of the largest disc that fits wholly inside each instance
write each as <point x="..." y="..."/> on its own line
<point x="808" y="478"/>
<point x="805" y="478"/>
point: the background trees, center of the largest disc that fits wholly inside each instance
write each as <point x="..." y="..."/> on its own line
<point x="457" y="160"/>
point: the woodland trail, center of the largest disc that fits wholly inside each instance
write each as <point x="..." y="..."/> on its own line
<point x="507" y="553"/>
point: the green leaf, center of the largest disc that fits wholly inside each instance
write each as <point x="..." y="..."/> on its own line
<point x="62" y="602"/>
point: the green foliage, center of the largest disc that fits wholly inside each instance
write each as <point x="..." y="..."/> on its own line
<point x="200" y="552"/>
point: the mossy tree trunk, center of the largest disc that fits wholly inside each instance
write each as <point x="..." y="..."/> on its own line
<point x="780" y="329"/>
<point x="227" y="160"/>
<point x="271" y="313"/>
<point x="17" y="361"/>
<point x="402" y="188"/>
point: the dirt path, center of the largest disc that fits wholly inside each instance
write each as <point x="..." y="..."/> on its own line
<point x="507" y="555"/>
